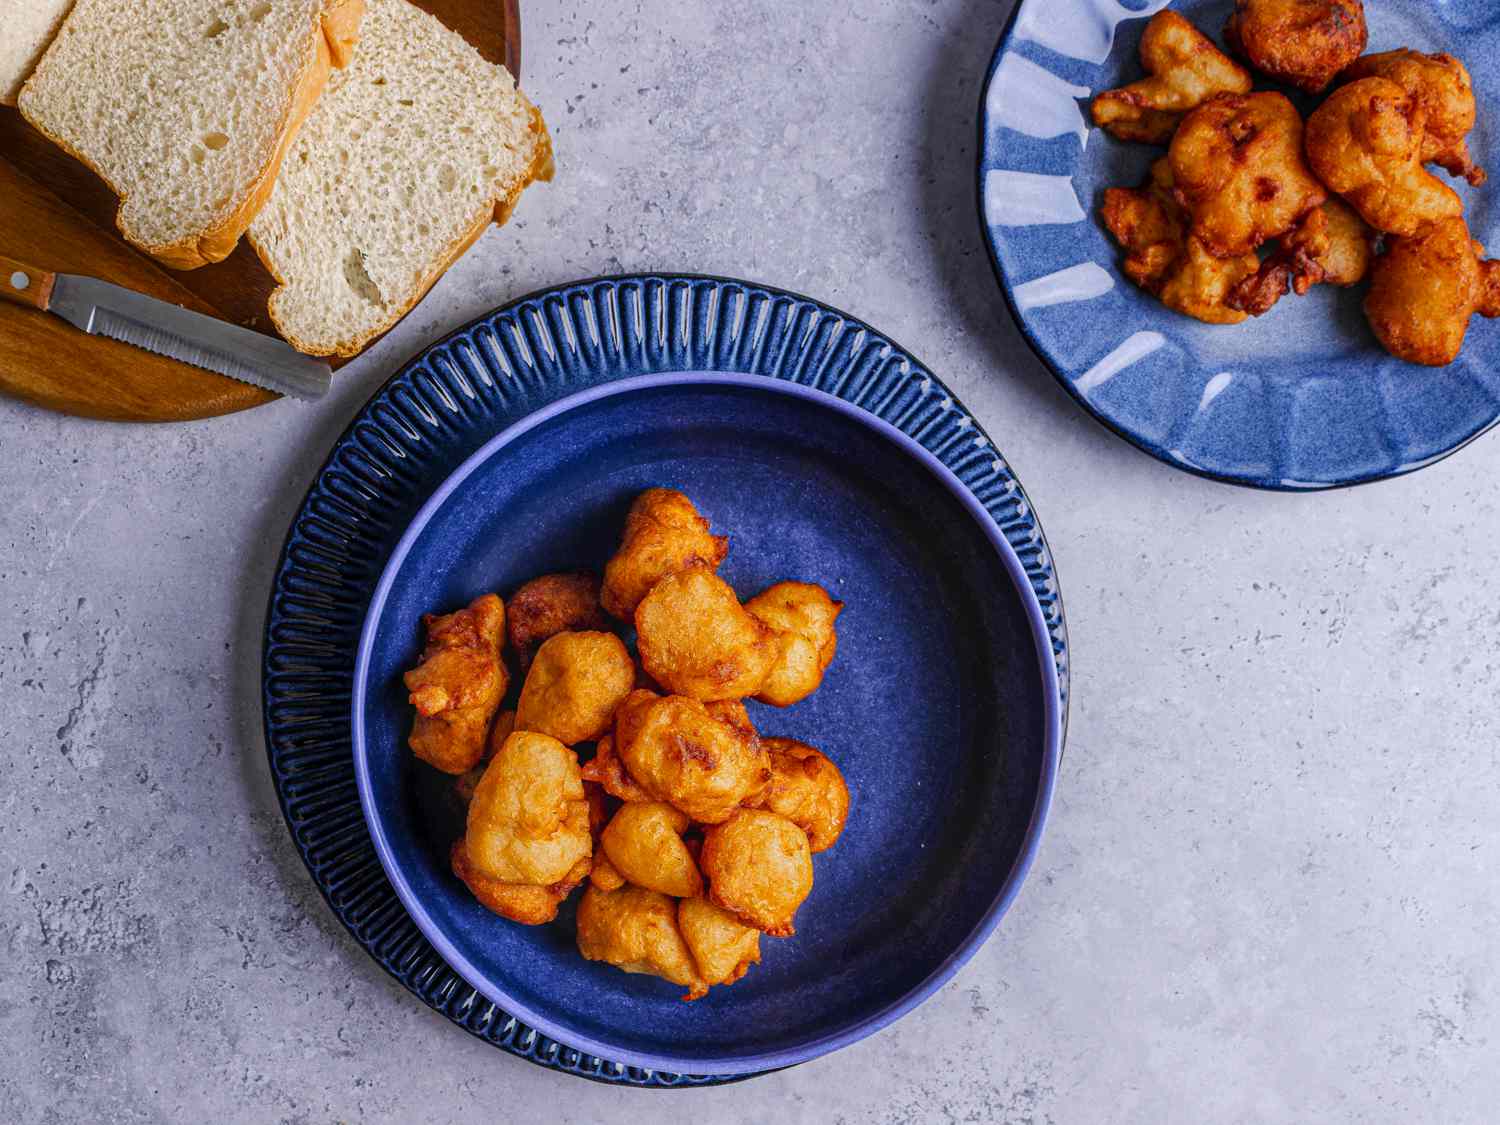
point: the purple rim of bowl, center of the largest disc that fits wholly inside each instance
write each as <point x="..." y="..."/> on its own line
<point x="767" y="1060"/>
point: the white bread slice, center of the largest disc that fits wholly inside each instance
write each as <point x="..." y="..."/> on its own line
<point x="413" y="150"/>
<point x="26" y="27"/>
<point x="186" y="108"/>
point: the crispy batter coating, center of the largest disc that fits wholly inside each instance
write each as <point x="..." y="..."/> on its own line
<point x="1366" y="142"/>
<point x="552" y="604"/>
<point x="1304" y="43"/>
<point x="733" y="712"/>
<point x="636" y="930"/>
<point x="465" y="783"/>
<point x="604" y="874"/>
<point x="695" y="639"/>
<point x="520" y="902"/>
<point x="574" y="685"/>
<point x="529" y="820"/>
<point x="663" y="534"/>
<point x="1443" y="89"/>
<point x="1163" y="259"/>
<point x="1331" y="245"/>
<point x="644" y="844"/>
<point x="759" y="868"/>
<point x="1184" y="69"/>
<point x="1238" y="169"/>
<point x="802" y="616"/>
<point x="1426" y="288"/>
<point x="808" y="790"/>
<point x="677" y="752"/>
<point x="458" y="685"/>
<point x="607" y="771"/>
<point x="722" y="948"/>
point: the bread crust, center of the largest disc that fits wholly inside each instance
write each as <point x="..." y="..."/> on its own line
<point x="335" y="30"/>
<point x="496" y="211"/>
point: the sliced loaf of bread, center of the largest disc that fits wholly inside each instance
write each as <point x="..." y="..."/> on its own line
<point x="413" y="150"/>
<point x="26" y="27"/>
<point x="186" y="108"/>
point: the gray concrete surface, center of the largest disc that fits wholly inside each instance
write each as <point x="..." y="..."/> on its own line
<point x="1269" y="888"/>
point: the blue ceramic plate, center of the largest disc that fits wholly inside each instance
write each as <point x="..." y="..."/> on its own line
<point x="1304" y="398"/>
<point x="433" y="415"/>
<point x="941" y="708"/>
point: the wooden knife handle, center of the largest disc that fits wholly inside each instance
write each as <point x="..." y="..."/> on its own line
<point x="24" y="284"/>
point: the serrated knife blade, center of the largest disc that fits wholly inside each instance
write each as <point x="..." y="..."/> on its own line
<point x="103" y="309"/>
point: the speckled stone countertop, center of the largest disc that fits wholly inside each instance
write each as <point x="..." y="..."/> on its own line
<point x="1268" y="891"/>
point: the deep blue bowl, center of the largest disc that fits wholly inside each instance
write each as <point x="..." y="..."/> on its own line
<point x="1304" y="398"/>
<point x="942" y="707"/>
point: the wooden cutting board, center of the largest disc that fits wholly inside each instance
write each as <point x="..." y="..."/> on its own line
<point x="58" y="214"/>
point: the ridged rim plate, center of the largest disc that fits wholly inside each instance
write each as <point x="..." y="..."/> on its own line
<point x="1299" y="400"/>
<point x="432" y="416"/>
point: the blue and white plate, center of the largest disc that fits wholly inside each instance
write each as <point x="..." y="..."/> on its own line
<point x="1304" y="398"/>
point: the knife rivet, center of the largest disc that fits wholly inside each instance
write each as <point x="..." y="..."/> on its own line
<point x="19" y="280"/>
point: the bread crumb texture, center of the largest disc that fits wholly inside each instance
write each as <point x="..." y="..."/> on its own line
<point x="413" y="150"/>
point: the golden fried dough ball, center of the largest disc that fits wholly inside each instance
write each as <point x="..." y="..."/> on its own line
<point x="1332" y="245"/>
<point x="552" y="604"/>
<point x="606" y="770"/>
<point x="1304" y="43"/>
<point x="759" y="868"/>
<point x="663" y="534"/>
<point x="802" y="616"/>
<point x="604" y="874"/>
<point x="636" y="930"/>
<point x="520" y="902"/>
<point x="1238" y="169"/>
<point x="529" y="820"/>
<point x="465" y="783"/>
<point x="722" y="948"/>
<point x="574" y="685"/>
<point x="679" y="753"/>
<point x="695" y="638"/>
<point x="733" y="712"/>
<point x="1185" y="69"/>
<point x="1366" y="143"/>
<point x="1425" y="289"/>
<point x="644" y="844"/>
<point x="1444" y="92"/>
<point x="808" y="790"/>
<point x="458" y="685"/>
<point x="1164" y="259"/>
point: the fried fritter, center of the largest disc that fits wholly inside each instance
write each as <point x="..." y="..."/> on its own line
<point x="529" y="820"/>
<point x="1426" y="288"/>
<point x="1366" y="142"/>
<point x="1238" y="169"/>
<point x="808" y="790"/>
<point x="677" y="752"/>
<point x="1163" y="259"/>
<point x="465" y="783"/>
<point x="722" y="947"/>
<point x="636" y="930"/>
<point x="1331" y="245"/>
<point x="458" y="685"/>
<point x="607" y="770"/>
<point x="1304" y="43"/>
<point x="520" y="902"/>
<point x="552" y="604"/>
<point x="695" y="639"/>
<point x="1184" y="70"/>
<point x="644" y="844"/>
<point x="759" y="868"/>
<point x="603" y="874"/>
<point x="663" y="534"/>
<point x="1441" y="86"/>
<point x="574" y="685"/>
<point x="803" y="617"/>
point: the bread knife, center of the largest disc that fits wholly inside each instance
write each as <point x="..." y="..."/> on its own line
<point x="102" y="309"/>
